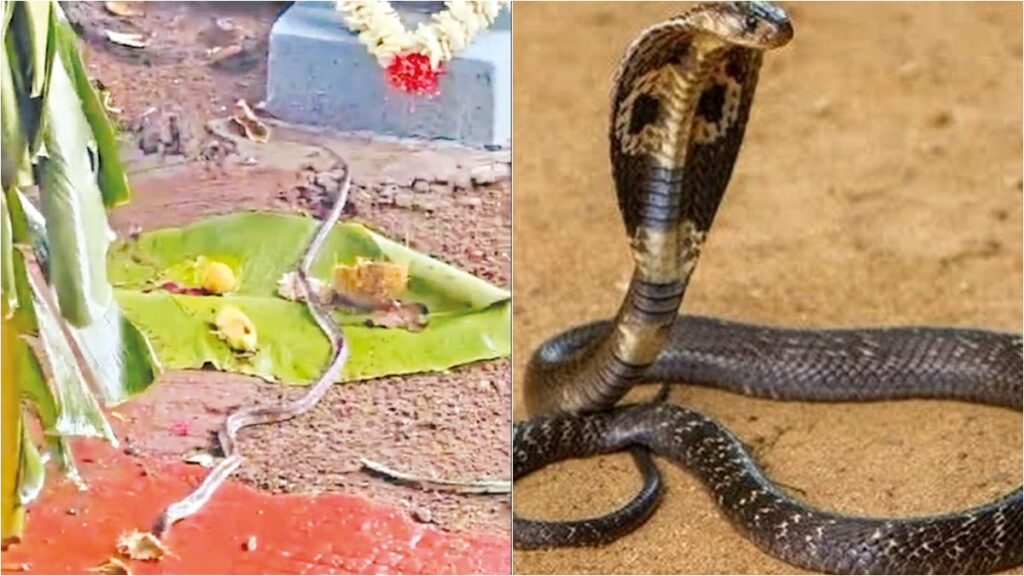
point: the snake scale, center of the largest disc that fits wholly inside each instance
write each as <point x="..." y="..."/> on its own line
<point x="680" y="104"/>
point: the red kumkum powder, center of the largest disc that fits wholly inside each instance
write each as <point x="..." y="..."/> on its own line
<point x="412" y="73"/>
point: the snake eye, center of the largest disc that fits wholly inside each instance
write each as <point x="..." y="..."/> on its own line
<point x="750" y="23"/>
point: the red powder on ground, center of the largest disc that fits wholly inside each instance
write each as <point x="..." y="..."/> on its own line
<point x="72" y="532"/>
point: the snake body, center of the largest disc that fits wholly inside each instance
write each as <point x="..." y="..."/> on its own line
<point x="261" y="415"/>
<point x="680" y="104"/>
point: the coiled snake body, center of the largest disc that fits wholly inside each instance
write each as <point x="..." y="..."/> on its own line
<point x="681" y="100"/>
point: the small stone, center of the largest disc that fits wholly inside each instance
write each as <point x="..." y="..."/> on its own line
<point x="404" y="200"/>
<point x="469" y="201"/>
<point x="250" y="544"/>
<point x="329" y="181"/>
<point x="420" y="186"/>
<point x="422" y="515"/>
<point x="488" y="173"/>
<point x="462" y="181"/>
<point x="219" y="54"/>
<point x="428" y="204"/>
<point x="439" y="187"/>
<point x="940" y="119"/>
<point x="822" y="106"/>
<point x="386" y="195"/>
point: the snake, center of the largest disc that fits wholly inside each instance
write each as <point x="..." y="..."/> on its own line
<point x="681" y="99"/>
<point x="329" y="374"/>
<point x="262" y="415"/>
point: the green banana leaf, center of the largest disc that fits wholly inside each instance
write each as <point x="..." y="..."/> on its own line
<point x="55" y="133"/>
<point x="31" y="472"/>
<point x="34" y="389"/>
<point x="468" y="319"/>
<point x="76" y="222"/>
<point x="8" y="14"/>
<point x="118" y="354"/>
<point x="37" y="19"/>
<point x="37" y="395"/>
<point x="113" y="180"/>
<point x="12" y="146"/>
<point x="9" y="287"/>
<point x="78" y="412"/>
<point x="12" y="513"/>
<point x="30" y="48"/>
<point x="20" y="119"/>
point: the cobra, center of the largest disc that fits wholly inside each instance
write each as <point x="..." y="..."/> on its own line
<point x="681" y="100"/>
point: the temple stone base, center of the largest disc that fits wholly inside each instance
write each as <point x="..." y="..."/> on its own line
<point x="320" y="74"/>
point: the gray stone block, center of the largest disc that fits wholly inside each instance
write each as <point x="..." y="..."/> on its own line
<point x="320" y="74"/>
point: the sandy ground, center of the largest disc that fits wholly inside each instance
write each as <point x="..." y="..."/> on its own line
<point x="880" y="183"/>
<point x="452" y="425"/>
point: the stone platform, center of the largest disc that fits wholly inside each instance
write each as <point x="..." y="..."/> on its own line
<point x="319" y="73"/>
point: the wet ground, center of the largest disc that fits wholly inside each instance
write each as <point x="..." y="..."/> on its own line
<point x="879" y="184"/>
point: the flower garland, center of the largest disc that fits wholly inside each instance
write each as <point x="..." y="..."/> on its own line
<point x="414" y="60"/>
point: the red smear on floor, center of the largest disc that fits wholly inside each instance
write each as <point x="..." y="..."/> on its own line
<point x="73" y="532"/>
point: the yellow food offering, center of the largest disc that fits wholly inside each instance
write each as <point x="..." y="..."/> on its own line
<point x="218" y="278"/>
<point x="369" y="282"/>
<point x="235" y="328"/>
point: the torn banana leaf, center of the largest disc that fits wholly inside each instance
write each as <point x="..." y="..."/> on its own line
<point x="468" y="319"/>
<point x="79" y="413"/>
<point x="113" y="181"/>
<point x="21" y="231"/>
<point x="76" y="221"/>
<point x="37" y="395"/>
<point x="118" y="355"/>
<point x="22" y="482"/>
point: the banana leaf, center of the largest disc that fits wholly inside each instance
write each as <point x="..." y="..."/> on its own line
<point x="76" y="222"/>
<point x="9" y="286"/>
<point x="39" y="398"/>
<point x="79" y="414"/>
<point x="24" y="377"/>
<point x="55" y="134"/>
<point x="118" y="354"/>
<point x="21" y="233"/>
<point x="113" y="181"/>
<point x="12" y="513"/>
<point x="20" y="119"/>
<point x="12" y="146"/>
<point x="30" y="48"/>
<point x="468" y="319"/>
<point x="37" y="24"/>
<point x="30" y="474"/>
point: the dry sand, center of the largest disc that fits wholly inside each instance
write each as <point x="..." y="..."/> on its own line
<point x="879" y="184"/>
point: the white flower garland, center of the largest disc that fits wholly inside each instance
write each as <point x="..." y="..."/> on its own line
<point x="382" y="32"/>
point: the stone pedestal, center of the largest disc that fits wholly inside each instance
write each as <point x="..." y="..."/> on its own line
<point x="320" y="74"/>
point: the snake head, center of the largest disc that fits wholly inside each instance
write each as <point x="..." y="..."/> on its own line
<point x="756" y="25"/>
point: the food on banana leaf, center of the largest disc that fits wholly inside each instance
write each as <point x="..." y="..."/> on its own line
<point x="218" y="278"/>
<point x="235" y="328"/>
<point x="370" y="283"/>
<point x="289" y="287"/>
